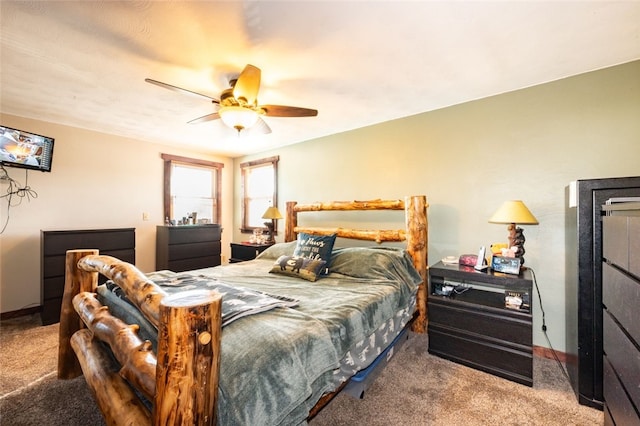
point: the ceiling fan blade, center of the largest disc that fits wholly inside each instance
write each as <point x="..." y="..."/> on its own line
<point x="205" y="118"/>
<point x="261" y="126"/>
<point x="288" y="111"/>
<point x="248" y="84"/>
<point x="180" y="89"/>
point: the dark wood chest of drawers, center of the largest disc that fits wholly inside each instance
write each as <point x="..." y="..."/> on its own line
<point x="183" y="248"/>
<point x="621" y="301"/>
<point x="120" y="243"/>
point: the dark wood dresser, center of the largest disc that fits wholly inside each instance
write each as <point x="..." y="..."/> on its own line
<point x="583" y="280"/>
<point x="120" y="243"/>
<point x="620" y="315"/>
<point x="470" y="323"/>
<point x="183" y="248"/>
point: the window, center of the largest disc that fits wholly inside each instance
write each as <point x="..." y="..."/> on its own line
<point x="191" y="185"/>
<point x="259" y="191"/>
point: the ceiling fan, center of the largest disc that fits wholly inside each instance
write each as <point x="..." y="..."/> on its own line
<point x="238" y="105"/>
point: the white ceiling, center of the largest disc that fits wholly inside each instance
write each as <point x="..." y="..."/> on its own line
<point x="83" y="63"/>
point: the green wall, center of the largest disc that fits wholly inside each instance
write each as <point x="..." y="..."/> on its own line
<point x="469" y="158"/>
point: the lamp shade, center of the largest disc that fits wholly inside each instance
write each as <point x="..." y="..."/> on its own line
<point x="514" y="211"/>
<point x="272" y="213"/>
<point x="238" y="117"/>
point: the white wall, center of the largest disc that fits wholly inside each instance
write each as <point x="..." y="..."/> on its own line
<point x="469" y="158"/>
<point x="97" y="181"/>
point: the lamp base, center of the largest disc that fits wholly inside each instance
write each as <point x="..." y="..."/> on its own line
<point x="516" y="242"/>
<point x="270" y="226"/>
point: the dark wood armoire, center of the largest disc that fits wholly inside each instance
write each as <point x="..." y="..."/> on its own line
<point x="583" y="280"/>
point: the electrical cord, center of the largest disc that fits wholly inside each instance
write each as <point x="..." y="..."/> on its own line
<point x="544" y="327"/>
<point x="459" y="289"/>
<point x="15" y="190"/>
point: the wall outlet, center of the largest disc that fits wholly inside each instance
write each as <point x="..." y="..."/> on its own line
<point x="145" y="216"/>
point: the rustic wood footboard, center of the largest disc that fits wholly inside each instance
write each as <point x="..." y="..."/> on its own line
<point x="181" y="381"/>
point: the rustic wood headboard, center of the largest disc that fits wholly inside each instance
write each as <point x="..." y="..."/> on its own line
<point x="415" y="233"/>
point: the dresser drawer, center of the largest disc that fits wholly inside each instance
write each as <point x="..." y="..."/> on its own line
<point x="58" y="242"/>
<point x="623" y="356"/>
<point x="482" y="354"/>
<point x="621" y="242"/>
<point x="186" y="251"/>
<point x="194" y="263"/>
<point x="241" y="252"/>
<point x="193" y="234"/>
<point x="53" y="266"/>
<point x="244" y="251"/>
<point x="616" y="400"/>
<point x="619" y="292"/>
<point x="51" y="310"/>
<point x="476" y="320"/>
<point x="615" y="240"/>
<point x="52" y="287"/>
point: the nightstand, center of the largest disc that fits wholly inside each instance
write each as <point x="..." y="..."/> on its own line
<point x="241" y="252"/>
<point x="475" y="319"/>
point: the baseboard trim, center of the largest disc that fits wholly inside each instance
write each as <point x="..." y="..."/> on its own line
<point x="543" y="352"/>
<point x="20" y="312"/>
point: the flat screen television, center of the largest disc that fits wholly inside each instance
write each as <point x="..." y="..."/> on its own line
<point x="27" y="150"/>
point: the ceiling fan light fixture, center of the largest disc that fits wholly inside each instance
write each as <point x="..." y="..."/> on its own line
<point x="238" y="105"/>
<point x="238" y="117"/>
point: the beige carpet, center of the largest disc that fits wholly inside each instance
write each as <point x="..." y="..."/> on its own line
<point x="26" y="349"/>
<point x="415" y="389"/>
<point x="30" y="393"/>
<point x="422" y="389"/>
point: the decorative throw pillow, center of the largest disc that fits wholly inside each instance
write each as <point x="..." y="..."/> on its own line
<point x="316" y="247"/>
<point x="299" y="267"/>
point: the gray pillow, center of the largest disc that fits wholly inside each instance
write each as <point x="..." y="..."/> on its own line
<point x="373" y="263"/>
<point x="278" y="249"/>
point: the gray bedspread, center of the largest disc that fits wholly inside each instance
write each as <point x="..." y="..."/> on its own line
<point x="275" y="365"/>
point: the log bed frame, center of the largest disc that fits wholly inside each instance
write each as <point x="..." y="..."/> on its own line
<point x="181" y="380"/>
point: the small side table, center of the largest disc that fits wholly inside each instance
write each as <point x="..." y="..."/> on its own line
<point x="241" y="252"/>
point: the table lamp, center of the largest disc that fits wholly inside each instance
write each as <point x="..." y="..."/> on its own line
<point x="272" y="213"/>
<point x="512" y="212"/>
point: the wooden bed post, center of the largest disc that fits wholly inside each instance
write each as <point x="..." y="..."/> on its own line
<point x="417" y="247"/>
<point x="75" y="281"/>
<point x="188" y="359"/>
<point x="291" y="222"/>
